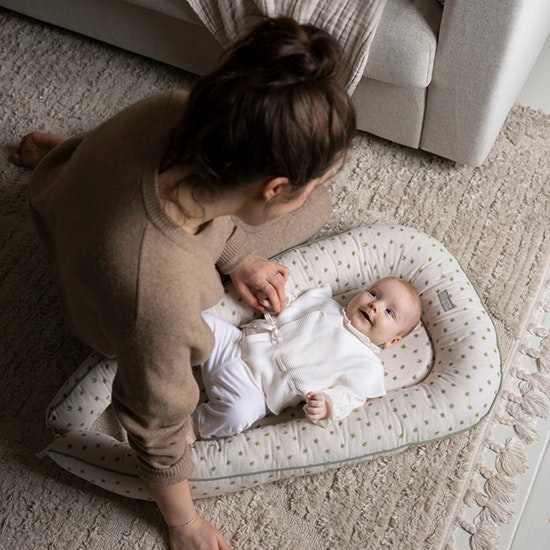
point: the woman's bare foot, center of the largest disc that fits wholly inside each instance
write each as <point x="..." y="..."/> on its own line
<point x="34" y="147"/>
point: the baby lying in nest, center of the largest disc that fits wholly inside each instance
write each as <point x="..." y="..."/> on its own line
<point x="314" y="350"/>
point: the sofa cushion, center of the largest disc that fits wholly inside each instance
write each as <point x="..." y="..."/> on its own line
<point x="403" y="48"/>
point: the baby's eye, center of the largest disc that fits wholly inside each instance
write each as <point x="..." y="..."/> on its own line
<point x="390" y="312"/>
<point x="372" y="293"/>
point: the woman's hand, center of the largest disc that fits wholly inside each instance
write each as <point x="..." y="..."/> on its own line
<point x="317" y="406"/>
<point x="261" y="283"/>
<point x="198" y="535"/>
<point x="188" y="531"/>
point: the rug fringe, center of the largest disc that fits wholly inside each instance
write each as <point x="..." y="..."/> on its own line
<point x="525" y="398"/>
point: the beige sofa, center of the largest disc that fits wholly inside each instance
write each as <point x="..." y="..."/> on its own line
<point x="441" y="78"/>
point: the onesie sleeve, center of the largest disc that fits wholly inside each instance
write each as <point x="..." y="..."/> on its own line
<point x="342" y="401"/>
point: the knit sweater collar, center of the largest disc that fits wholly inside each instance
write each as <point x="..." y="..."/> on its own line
<point x="155" y="210"/>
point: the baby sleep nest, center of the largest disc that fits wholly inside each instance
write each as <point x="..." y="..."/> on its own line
<point x="440" y="380"/>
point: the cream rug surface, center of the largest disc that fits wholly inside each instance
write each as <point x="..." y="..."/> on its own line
<point x="494" y="219"/>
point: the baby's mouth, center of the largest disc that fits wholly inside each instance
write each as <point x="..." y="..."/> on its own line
<point x="366" y="316"/>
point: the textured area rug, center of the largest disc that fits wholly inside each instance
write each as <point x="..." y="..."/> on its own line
<point x="494" y="219"/>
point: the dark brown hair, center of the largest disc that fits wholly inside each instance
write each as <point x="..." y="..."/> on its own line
<point x="273" y="108"/>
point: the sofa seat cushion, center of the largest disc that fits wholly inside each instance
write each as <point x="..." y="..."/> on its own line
<point x="403" y="49"/>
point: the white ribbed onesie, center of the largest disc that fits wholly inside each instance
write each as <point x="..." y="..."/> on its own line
<point x="272" y="363"/>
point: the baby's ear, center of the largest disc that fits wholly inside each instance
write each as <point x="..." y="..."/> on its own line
<point x="392" y="342"/>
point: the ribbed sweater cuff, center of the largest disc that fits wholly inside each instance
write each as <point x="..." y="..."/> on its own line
<point x="237" y="249"/>
<point x="167" y="476"/>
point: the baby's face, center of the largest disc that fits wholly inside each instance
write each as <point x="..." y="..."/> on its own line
<point x="384" y="312"/>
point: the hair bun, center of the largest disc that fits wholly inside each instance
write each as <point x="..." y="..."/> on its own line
<point x="289" y="51"/>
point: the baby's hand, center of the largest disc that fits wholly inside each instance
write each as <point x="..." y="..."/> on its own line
<point x="317" y="407"/>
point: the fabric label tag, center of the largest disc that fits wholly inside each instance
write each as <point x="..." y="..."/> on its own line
<point x="445" y="300"/>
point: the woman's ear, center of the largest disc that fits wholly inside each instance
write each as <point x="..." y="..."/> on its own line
<point x="275" y="187"/>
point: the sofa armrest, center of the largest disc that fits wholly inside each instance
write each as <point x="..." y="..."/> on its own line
<point x="485" y="51"/>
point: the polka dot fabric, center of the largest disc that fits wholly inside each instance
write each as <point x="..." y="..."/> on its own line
<point x="441" y="380"/>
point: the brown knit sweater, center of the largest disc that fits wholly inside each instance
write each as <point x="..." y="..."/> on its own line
<point x="132" y="283"/>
